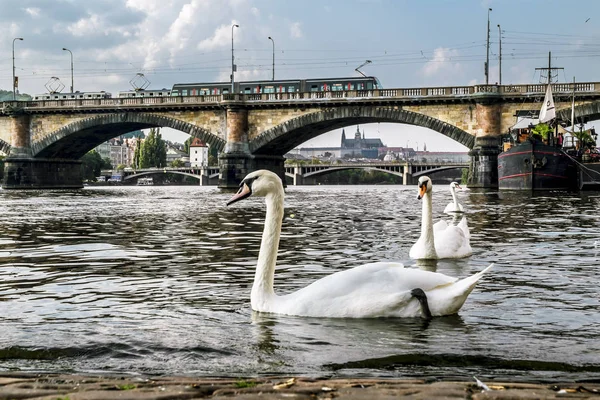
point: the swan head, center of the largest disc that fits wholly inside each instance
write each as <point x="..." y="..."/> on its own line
<point x="258" y="183"/>
<point x="425" y="186"/>
<point x="455" y="185"/>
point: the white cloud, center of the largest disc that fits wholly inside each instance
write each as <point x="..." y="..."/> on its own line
<point x="296" y="30"/>
<point x="33" y="11"/>
<point x="441" y="69"/>
<point x="220" y="38"/>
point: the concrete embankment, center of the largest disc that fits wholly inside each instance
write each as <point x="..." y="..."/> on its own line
<point x="78" y="387"/>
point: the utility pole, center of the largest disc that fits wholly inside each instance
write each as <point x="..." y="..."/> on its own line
<point x="549" y="69"/>
<point x="232" y="59"/>
<point x="499" y="55"/>
<point x="487" y="57"/>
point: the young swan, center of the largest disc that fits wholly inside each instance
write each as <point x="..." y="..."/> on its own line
<point x="441" y="240"/>
<point x="455" y="206"/>
<point x="383" y="289"/>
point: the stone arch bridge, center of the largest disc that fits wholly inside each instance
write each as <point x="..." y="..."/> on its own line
<point x="44" y="140"/>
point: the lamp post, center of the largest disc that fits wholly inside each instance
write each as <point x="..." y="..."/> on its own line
<point x="273" y="57"/>
<point x="70" y="52"/>
<point x="487" y="57"/>
<point x="13" y="62"/>
<point x="232" y="59"/>
<point x="499" y="55"/>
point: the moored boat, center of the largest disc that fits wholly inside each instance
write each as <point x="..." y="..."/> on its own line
<point x="534" y="165"/>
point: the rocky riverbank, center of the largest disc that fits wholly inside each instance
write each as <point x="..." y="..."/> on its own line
<point x="77" y="387"/>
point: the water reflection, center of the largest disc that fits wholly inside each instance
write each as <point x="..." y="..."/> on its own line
<point x="156" y="280"/>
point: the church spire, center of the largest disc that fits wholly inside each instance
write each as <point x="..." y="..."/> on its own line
<point x="343" y="138"/>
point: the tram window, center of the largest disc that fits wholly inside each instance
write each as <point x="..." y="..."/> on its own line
<point x="268" y="89"/>
<point x="336" y="87"/>
<point x="314" y="88"/>
<point x="225" y="91"/>
<point x="291" y="89"/>
<point x="184" y="92"/>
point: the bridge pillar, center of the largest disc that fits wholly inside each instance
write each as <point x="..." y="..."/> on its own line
<point x="22" y="171"/>
<point x="407" y="177"/>
<point x="235" y="161"/>
<point x="483" y="171"/>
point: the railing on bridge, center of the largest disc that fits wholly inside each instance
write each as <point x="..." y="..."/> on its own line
<point x="400" y="93"/>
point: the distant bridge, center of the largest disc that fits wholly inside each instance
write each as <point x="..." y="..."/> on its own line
<point x="304" y="174"/>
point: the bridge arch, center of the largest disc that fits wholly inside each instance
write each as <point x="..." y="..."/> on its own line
<point x="160" y="172"/>
<point x="587" y="112"/>
<point x="74" y="140"/>
<point x="288" y="135"/>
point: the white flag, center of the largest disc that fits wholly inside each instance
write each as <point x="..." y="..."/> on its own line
<point x="548" y="112"/>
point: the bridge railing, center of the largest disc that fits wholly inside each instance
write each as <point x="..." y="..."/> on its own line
<point x="432" y="92"/>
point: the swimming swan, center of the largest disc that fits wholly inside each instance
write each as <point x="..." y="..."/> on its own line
<point x="383" y="289"/>
<point x="455" y="206"/>
<point x="440" y="240"/>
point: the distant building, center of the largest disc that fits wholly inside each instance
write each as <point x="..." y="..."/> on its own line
<point x="360" y="147"/>
<point x="119" y="151"/>
<point x="198" y="153"/>
<point x="175" y="154"/>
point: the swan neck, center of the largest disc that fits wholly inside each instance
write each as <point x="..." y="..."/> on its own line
<point x="267" y="255"/>
<point x="454" y="196"/>
<point x="427" y="222"/>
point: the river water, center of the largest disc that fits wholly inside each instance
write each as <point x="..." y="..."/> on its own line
<point x="156" y="280"/>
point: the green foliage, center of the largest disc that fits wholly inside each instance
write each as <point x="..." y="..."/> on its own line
<point x="152" y="152"/>
<point x="186" y="145"/>
<point x="91" y="165"/>
<point x="464" y="178"/>
<point x="585" y="138"/>
<point x="128" y="386"/>
<point x="106" y="163"/>
<point x="177" y="163"/>
<point x="121" y="167"/>
<point x="7" y="95"/>
<point x="245" y="384"/>
<point x="543" y="130"/>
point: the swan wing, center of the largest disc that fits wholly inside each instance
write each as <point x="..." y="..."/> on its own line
<point x="372" y="290"/>
<point x="449" y="299"/>
<point x="452" y="243"/>
<point x="464" y="227"/>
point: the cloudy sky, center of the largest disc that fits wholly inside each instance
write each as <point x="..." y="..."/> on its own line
<point x="410" y="43"/>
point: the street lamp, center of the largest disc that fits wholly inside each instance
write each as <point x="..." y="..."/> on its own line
<point x="499" y="55"/>
<point x="65" y="49"/>
<point x="273" y="57"/>
<point x="487" y="57"/>
<point x="232" y="59"/>
<point x="13" y="59"/>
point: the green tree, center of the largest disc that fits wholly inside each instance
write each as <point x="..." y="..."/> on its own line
<point x="106" y="163"/>
<point x="186" y="145"/>
<point x="177" y="163"/>
<point x="153" y="152"/>
<point x="91" y="165"/>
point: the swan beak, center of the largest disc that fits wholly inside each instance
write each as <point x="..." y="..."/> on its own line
<point x="458" y="187"/>
<point x="422" y="190"/>
<point x="244" y="192"/>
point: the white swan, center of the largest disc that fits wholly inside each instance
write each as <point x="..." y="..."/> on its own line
<point x="441" y="240"/>
<point x="382" y="289"/>
<point x="455" y="206"/>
